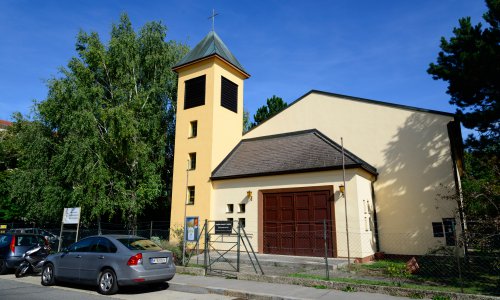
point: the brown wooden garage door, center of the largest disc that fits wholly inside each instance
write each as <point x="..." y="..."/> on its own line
<point x="293" y="223"/>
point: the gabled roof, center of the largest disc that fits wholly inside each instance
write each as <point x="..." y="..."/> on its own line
<point x="295" y="152"/>
<point x="210" y="45"/>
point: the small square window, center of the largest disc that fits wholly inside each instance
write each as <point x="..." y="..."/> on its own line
<point x="230" y="219"/>
<point x="192" y="161"/>
<point x="437" y="229"/>
<point x="230" y="208"/>
<point x="193" y="129"/>
<point x="242" y="222"/>
<point x="191" y="192"/>
<point x="241" y="207"/>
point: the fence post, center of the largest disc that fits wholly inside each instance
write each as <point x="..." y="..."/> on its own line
<point x="206" y="247"/>
<point x="457" y="254"/>
<point x="238" y="248"/>
<point x="151" y="230"/>
<point x="326" y="250"/>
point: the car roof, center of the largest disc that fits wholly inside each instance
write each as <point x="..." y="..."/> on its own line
<point x="20" y="234"/>
<point x="118" y="236"/>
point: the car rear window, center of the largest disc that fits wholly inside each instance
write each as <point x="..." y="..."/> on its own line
<point x="4" y="240"/>
<point x="139" y="244"/>
<point x="27" y="240"/>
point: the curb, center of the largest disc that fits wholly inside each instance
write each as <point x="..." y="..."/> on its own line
<point x="194" y="289"/>
<point x="355" y="287"/>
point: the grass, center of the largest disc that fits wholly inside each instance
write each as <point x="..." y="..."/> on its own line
<point x="422" y="287"/>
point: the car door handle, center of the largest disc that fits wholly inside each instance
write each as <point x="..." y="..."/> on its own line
<point x="101" y="257"/>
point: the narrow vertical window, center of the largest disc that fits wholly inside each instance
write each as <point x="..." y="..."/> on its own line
<point x="449" y="231"/>
<point x="194" y="92"/>
<point x="193" y="129"/>
<point x="242" y="207"/>
<point x="191" y="195"/>
<point x="192" y="161"/>
<point x="437" y="229"/>
<point x="230" y="208"/>
<point x="229" y="95"/>
<point x="242" y="222"/>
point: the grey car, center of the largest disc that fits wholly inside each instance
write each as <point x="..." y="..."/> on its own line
<point x="110" y="261"/>
<point x="13" y="246"/>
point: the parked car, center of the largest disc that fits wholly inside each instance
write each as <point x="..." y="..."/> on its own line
<point x="13" y="246"/>
<point x="110" y="261"/>
<point x="52" y="238"/>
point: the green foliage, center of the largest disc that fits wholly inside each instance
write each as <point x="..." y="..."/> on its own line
<point x="441" y="297"/>
<point x="398" y="273"/>
<point x="246" y="121"/>
<point x="274" y="105"/>
<point x="104" y="137"/>
<point x="469" y="63"/>
<point x="9" y="210"/>
<point x="320" y="287"/>
<point x="349" y="289"/>
<point x="416" y="296"/>
<point x="481" y="194"/>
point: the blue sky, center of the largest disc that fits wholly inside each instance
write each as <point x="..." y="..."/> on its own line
<point x="372" y="49"/>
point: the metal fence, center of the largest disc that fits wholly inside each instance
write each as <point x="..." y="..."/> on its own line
<point x="405" y="259"/>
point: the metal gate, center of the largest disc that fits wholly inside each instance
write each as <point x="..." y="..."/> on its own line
<point x="223" y="244"/>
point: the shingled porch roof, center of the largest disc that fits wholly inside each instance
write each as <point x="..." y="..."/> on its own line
<point x="295" y="152"/>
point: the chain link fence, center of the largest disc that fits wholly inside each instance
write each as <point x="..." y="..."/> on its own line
<point x="454" y="262"/>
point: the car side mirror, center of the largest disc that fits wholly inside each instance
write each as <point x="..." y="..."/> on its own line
<point x="65" y="250"/>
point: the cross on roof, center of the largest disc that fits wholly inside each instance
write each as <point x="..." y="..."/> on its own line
<point x="213" y="19"/>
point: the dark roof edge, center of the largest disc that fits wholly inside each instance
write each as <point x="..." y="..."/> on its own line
<point x="175" y="68"/>
<point x="351" y="166"/>
<point x="379" y="102"/>
<point x="359" y="100"/>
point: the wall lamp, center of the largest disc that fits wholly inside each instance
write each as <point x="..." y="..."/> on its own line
<point x="249" y="195"/>
<point x="342" y="189"/>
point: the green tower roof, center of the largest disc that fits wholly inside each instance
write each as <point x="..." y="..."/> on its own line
<point x="209" y="46"/>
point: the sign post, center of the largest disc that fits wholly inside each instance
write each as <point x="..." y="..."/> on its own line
<point x="70" y="216"/>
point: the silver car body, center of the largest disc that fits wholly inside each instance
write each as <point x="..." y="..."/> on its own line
<point x="83" y="261"/>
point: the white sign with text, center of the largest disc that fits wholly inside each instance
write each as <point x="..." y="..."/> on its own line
<point x="71" y="215"/>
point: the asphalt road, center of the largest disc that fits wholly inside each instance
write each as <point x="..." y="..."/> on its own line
<point x="29" y="288"/>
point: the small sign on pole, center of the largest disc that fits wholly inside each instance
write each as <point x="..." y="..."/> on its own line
<point x="71" y="215"/>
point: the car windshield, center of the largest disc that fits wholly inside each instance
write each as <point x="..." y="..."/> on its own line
<point x="139" y="244"/>
<point x="4" y="240"/>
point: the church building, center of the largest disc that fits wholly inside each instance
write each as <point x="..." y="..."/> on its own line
<point x="370" y="172"/>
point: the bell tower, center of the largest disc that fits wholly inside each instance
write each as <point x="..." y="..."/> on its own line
<point x="209" y="124"/>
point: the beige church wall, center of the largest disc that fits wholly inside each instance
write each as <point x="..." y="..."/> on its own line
<point x="409" y="148"/>
<point x="234" y="192"/>
<point x="367" y="230"/>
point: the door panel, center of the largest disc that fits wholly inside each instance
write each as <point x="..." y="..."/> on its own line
<point x="293" y="223"/>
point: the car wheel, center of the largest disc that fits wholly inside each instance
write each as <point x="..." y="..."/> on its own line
<point x="3" y="267"/>
<point x="107" y="284"/>
<point x="48" y="277"/>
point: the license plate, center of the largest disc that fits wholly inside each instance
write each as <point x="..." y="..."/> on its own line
<point x="158" y="260"/>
